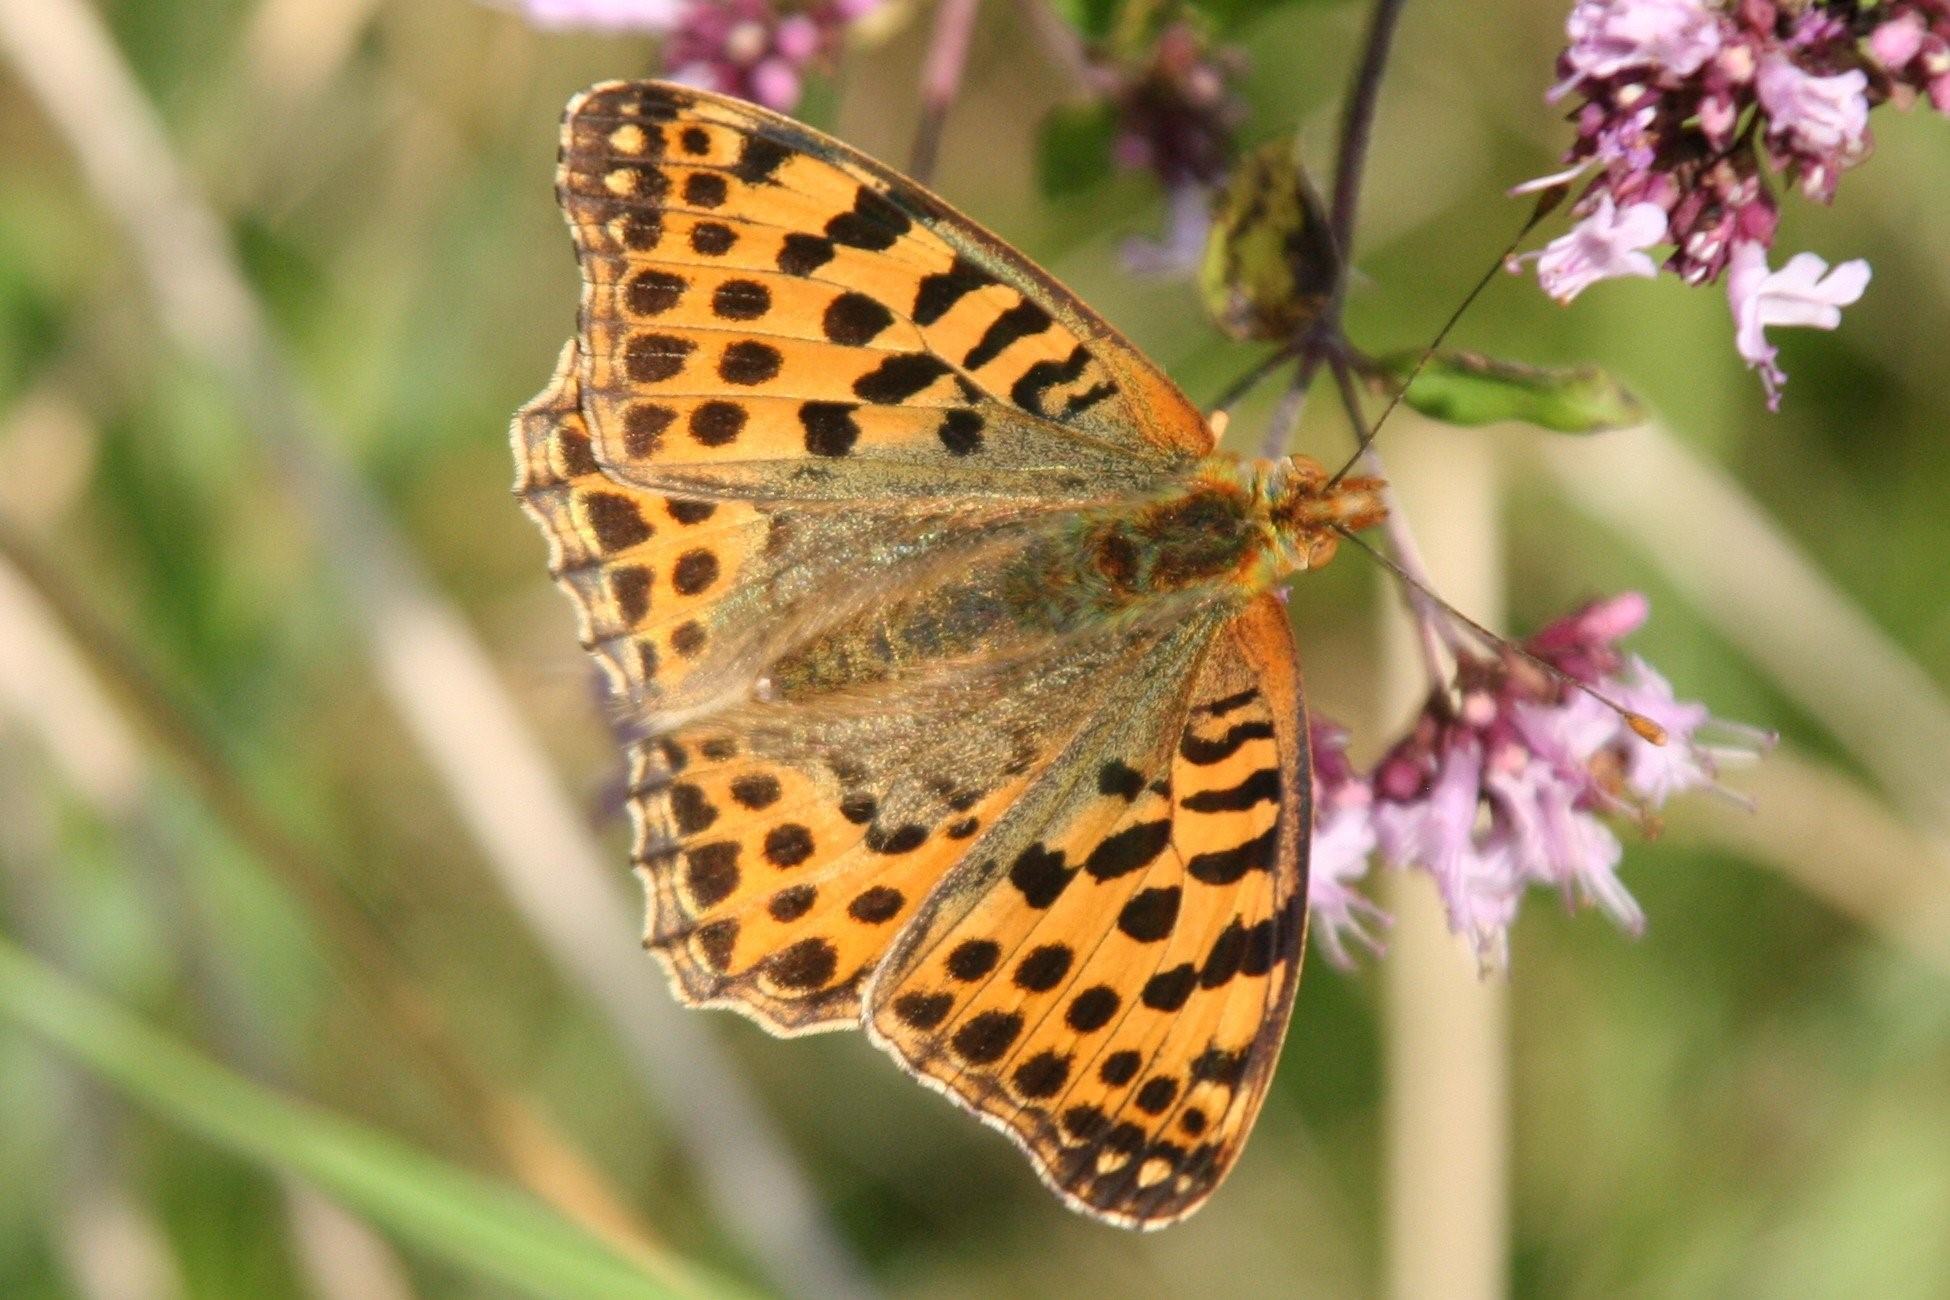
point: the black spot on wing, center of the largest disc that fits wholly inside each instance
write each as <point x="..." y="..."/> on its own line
<point x="961" y="432"/>
<point x="873" y="223"/>
<point x="987" y="1036"/>
<point x="830" y="428"/>
<point x="643" y="434"/>
<point x="1120" y="779"/>
<point x="741" y="300"/>
<point x="1229" y="866"/>
<point x="1262" y="786"/>
<point x="1228" y="703"/>
<point x="1196" y="749"/>
<point x="923" y="1010"/>
<point x="1168" y="990"/>
<point x="652" y="358"/>
<point x="1262" y="947"/>
<point x="615" y="520"/>
<point x="758" y="159"/>
<point x="1029" y="390"/>
<point x="1150" y="914"/>
<point x="1040" y="875"/>
<point x="802" y="254"/>
<point x="705" y="190"/>
<point x="712" y="238"/>
<point x="899" y="377"/>
<point x="942" y="290"/>
<point x="1093" y="1008"/>
<point x="854" y="319"/>
<point x="1089" y="397"/>
<point x="630" y="586"/>
<point x="1223" y="961"/>
<point x="1128" y="850"/>
<point x="717" y="422"/>
<point x="1021" y="321"/>
<point x="807" y="964"/>
<point x="748" y="362"/>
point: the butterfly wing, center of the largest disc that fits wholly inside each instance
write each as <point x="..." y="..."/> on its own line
<point x="1111" y="985"/>
<point x="758" y="293"/>
<point x="812" y="428"/>
<point x="802" y="386"/>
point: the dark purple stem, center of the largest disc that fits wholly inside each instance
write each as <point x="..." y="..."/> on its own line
<point x="1357" y="123"/>
<point x="954" y="24"/>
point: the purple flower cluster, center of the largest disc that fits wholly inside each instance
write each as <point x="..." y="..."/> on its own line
<point x="1684" y="106"/>
<point x="1177" y="112"/>
<point x="1505" y="782"/>
<point x="759" y="50"/>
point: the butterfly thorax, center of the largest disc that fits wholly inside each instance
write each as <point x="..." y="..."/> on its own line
<point x="1236" y="527"/>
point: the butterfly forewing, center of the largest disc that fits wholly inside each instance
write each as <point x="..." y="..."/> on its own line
<point x="811" y="472"/>
<point x="735" y="261"/>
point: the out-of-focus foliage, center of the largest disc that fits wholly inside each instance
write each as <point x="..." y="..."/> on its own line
<point x="1754" y="1099"/>
<point x="1073" y="149"/>
<point x="449" y="1213"/>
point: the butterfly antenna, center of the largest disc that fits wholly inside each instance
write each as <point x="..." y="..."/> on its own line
<point x="1546" y="202"/>
<point x="1641" y="725"/>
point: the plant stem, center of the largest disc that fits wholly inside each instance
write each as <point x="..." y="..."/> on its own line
<point x="1323" y="338"/>
<point x="941" y="72"/>
<point x="1444" y="1033"/>
<point x="1432" y="630"/>
<point x="1357" y="124"/>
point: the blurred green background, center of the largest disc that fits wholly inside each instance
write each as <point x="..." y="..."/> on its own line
<point x="221" y="812"/>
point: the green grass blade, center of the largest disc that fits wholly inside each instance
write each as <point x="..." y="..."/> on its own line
<point x="463" y="1218"/>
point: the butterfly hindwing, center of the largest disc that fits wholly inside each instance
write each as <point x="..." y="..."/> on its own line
<point x="1115" y="993"/>
<point x="786" y="847"/>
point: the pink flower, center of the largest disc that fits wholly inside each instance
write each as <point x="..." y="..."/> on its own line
<point x="760" y="50"/>
<point x="1344" y="839"/>
<point x="1820" y="115"/>
<point x="1188" y="223"/>
<point x="1658" y="772"/>
<point x="1897" y="41"/>
<point x="606" y="15"/>
<point x="1506" y="779"/>
<point x="1671" y="37"/>
<point x="1557" y="843"/>
<point x="1437" y="830"/>
<point x="1695" y="106"/>
<point x="1804" y="292"/>
<point x="1343" y="842"/>
<point x="1603" y="246"/>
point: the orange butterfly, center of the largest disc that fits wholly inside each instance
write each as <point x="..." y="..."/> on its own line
<point x="962" y="709"/>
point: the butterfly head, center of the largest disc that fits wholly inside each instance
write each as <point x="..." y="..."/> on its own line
<point x="1309" y="512"/>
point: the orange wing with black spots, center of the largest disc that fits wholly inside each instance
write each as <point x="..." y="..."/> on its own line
<point x="757" y="293"/>
<point x="817" y="473"/>
<point x="1114" y="993"/>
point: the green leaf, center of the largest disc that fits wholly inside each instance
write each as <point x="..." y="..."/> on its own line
<point x="1270" y="265"/>
<point x="460" y="1216"/>
<point x="1073" y="151"/>
<point x="1469" y="388"/>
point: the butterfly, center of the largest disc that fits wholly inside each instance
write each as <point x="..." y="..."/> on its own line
<point x="958" y="704"/>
